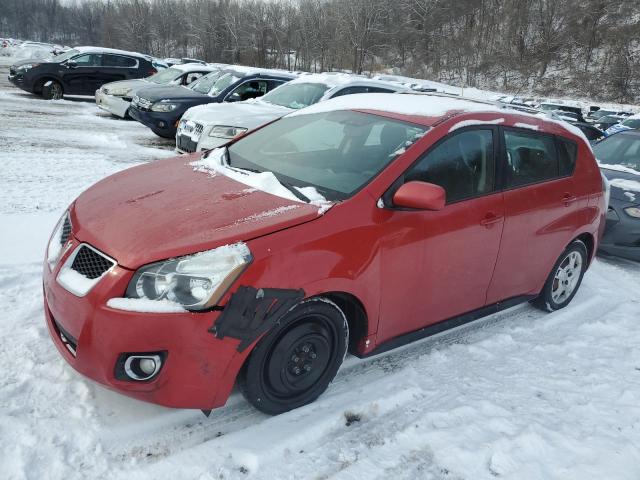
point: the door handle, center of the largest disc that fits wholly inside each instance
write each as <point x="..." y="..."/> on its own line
<point x="490" y="219"/>
<point x="568" y="199"/>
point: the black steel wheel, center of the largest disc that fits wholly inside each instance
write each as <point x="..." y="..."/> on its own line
<point x="294" y="363"/>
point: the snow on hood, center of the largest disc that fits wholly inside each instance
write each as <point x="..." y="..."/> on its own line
<point x="215" y="163"/>
<point x="241" y="114"/>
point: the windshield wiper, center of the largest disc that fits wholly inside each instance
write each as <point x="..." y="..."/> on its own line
<point x="295" y="191"/>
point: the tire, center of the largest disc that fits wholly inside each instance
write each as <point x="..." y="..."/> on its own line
<point x="565" y="278"/>
<point x="295" y="362"/>
<point x="52" y="90"/>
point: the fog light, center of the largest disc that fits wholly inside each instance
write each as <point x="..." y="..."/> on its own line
<point x="161" y="124"/>
<point x="142" y="367"/>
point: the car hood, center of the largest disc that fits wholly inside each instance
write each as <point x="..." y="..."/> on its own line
<point x="625" y="186"/>
<point x="133" y="84"/>
<point x="242" y="114"/>
<point x="166" y="209"/>
<point x="27" y="61"/>
<point x="156" y="93"/>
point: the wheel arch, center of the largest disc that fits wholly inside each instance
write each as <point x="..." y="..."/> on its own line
<point x="589" y="241"/>
<point x="38" y="84"/>
<point x="355" y="313"/>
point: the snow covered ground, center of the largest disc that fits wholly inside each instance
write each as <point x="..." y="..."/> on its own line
<point x="519" y="395"/>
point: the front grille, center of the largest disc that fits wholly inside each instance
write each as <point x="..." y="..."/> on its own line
<point x="186" y="144"/>
<point x="141" y="103"/>
<point x="90" y="263"/>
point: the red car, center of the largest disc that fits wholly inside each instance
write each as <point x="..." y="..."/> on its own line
<point x="358" y="224"/>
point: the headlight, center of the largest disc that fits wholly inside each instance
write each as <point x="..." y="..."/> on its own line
<point x="59" y="238"/>
<point x="226" y="132"/>
<point x="633" y="212"/>
<point x="28" y="66"/>
<point x="117" y="92"/>
<point x="163" y="107"/>
<point x="196" y="282"/>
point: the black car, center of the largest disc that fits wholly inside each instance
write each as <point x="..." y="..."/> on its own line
<point x="619" y="158"/>
<point x="80" y="71"/>
<point x="592" y="133"/>
<point x="160" y="108"/>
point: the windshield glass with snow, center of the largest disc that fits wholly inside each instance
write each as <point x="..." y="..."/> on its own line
<point x="296" y="95"/>
<point x="65" y="56"/>
<point x="632" y="123"/>
<point x="165" y="76"/>
<point x="204" y="84"/>
<point x="619" y="149"/>
<point x="335" y="152"/>
<point x="221" y="83"/>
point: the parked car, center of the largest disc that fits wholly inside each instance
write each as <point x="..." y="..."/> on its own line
<point x="630" y="123"/>
<point x="161" y="107"/>
<point x="607" y="121"/>
<point x="619" y="159"/>
<point x="116" y="97"/>
<point x="181" y="61"/>
<point x="79" y="71"/>
<point x="209" y="126"/>
<point x="361" y="223"/>
<point x="590" y="131"/>
<point x="577" y="111"/>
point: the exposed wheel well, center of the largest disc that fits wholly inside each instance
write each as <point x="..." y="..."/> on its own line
<point x="587" y="239"/>
<point x="355" y="313"/>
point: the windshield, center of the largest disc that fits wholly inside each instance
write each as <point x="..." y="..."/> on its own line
<point x="335" y="152"/>
<point x="204" y="84"/>
<point x="296" y="95"/>
<point x="165" y="76"/>
<point x="223" y="82"/>
<point x="65" y="56"/>
<point x="619" y="149"/>
<point x="632" y="123"/>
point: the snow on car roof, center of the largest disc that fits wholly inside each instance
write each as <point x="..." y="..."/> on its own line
<point x="110" y="50"/>
<point x="404" y="104"/>
<point x="198" y="67"/>
<point x="338" y="79"/>
<point x="246" y="71"/>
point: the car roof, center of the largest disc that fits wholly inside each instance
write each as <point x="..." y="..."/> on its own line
<point x="88" y="49"/>
<point x="196" y="67"/>
<point x="333" y="80"/>
<point x="242" y="71"/>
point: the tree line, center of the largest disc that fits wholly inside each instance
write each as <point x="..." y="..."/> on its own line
<point x="588" y="48"/>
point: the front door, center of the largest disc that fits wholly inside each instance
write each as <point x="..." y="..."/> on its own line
<point x="79" y="75"/>
<point x="438" y="264"/>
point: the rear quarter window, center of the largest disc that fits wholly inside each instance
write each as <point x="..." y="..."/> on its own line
<point x="567" y="152"/>
<point x="531" y="158"/>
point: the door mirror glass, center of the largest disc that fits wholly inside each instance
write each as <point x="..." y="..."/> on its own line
<point x="420" y="196"/>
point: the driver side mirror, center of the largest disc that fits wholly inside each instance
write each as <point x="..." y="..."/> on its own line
<point x="420" y="196"/>
<point x="234" y="97"/>
<point x="71" y="64"/>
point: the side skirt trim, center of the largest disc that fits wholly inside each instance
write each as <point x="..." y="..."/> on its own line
<point x="448" y="324"/>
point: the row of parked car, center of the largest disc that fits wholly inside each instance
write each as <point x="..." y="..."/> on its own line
<point x="331" y="213"/>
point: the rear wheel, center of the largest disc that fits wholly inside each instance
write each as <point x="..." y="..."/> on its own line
<point x="294" y="363"/>
<point x="565" y="278"/>
<point x="52" y="90"/>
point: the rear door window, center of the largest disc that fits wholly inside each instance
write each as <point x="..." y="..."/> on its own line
<point x="531" y="158"/>
<point x="119" y="61"/>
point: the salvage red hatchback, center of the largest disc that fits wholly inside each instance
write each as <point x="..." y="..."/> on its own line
<point x="356" y="225"/>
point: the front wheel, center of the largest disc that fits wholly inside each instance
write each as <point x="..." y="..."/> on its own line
<point x="52" y="90"/>
<point x="565" y="278"/>
<point x="294" y="363"/>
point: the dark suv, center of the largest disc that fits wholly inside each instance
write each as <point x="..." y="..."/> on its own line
<point x="80" y="71"/>
<point x="161" y="107"/>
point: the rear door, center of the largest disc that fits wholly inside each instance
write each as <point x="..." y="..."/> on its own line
<point x="116" y="67"/>
<point x="541" y="209"/>
<point x="445" y="259"/>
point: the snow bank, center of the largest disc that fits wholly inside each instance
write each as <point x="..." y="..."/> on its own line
<point x="215" y="163"/>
